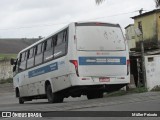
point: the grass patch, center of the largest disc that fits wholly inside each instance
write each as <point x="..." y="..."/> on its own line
<point x="7" y="56"/>
<point x="116" y="93"/>
<point x="157" y="88"/>
<point x="130" y="91"/>
<point x="9" y="80"/>
<point x="138" y="90"/>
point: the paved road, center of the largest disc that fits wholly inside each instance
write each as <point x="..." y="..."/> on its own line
<point x="149" y="101"/>
<point x="143" y="101"/>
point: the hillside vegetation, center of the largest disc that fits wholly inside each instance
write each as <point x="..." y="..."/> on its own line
<point x="7" y="56"/>
<point x="13" y="46"/>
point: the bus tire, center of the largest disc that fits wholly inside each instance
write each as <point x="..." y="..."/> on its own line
<point x="53" y="97"/>
<point x="21" y="100"/>
<point x="95" y="95"/>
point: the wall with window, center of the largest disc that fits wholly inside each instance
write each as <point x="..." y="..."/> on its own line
<point x="148" y="25"/>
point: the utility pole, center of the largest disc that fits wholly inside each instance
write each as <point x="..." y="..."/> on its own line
<point x="143" y="62"/>
<point x="140" y="11"/>
<point x="142" y="56"/>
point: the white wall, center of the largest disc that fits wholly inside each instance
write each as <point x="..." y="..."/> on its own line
<point x="131" y="43"/>
<point x="152" y="64"/>
<point x="5" y="69"/>
<point x="130" y="33"/>
<point x="130" y="36"/>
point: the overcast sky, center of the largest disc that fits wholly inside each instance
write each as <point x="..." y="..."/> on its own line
<point x="33" y="18"/>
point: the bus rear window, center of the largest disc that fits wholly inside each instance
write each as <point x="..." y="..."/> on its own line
<point x="99" y="38"/>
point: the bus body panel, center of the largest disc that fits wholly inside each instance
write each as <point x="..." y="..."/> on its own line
<point x="31" y="85"/>
<point x="87" y="81"/>
<point x="102" y="64"/>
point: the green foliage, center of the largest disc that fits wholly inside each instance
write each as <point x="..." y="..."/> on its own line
<point x="157" y="88"/>
<point x="116" y="93"/>
<point x="122" y="92"/>
<point x="138" y="90"/>
<point x="157" y="2"/>
<point x="7" y="56"/>
<point x="99" y="1"/>
<point x="9" y="80"/>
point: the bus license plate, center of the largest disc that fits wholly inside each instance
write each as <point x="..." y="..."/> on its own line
<point x="104" y="79"/>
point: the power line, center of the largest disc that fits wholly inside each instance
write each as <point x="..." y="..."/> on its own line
<point x="47" y="25"/>
<point x="112" y="15"/>
<point x="34" y="26"/>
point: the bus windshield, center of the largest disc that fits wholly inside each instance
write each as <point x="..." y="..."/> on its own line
<point x="99" y="38"/>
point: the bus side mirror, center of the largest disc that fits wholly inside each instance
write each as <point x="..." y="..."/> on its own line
<point x="12" y="61"/>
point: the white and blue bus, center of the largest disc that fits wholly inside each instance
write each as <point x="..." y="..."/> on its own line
<point x="86" y="58"/>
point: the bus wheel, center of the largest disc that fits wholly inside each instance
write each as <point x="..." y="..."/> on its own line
<point x="95" y="95"/>
<point x="49" y="94"/>
<point x="53" y="97"/>
<point x="21" y="100"/>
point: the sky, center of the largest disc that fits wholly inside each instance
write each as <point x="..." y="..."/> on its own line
<point x="33" y="18"/>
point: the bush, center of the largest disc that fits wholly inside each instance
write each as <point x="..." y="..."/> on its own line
<point x="130" y="91"/>
<point x="156" y="88"/>
<point x="138" y="90"/>
<point x="8" y="80"/>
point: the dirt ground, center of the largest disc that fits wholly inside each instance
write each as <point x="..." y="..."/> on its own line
<point x="6" y="88"/>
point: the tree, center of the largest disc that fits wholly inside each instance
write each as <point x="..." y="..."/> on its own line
<point x="99" y="1"/>
<point x="156" y="1"/>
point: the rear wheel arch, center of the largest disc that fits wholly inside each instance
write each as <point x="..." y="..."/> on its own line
<point x="47" y="82"/>
<point x="52" y="97"/>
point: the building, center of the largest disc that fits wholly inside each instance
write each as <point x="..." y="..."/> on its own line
<point x="152" y="71"/>
<point x="149" y="24"/>
<point x="147" y="28"/>
<point x="130" y="36"/>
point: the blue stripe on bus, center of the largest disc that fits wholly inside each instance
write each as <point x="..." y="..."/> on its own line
<point x="43" y="70"/>
<point x="102" y="60"/>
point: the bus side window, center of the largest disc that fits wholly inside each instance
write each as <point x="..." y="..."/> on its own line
<point x="65" y="36"/>
<point x="30" y="58"/>
<point x="38" y="54"/>
<point x="60" y="45"/>
<point x="16" y="67"/>
<point x="48" y="49"/>
<point x="20" y="58"/>
<point x="60" y="38"/>
<point x="22" y="62"/>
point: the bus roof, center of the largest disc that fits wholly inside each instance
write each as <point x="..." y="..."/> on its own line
<point x="78" y="24"/>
